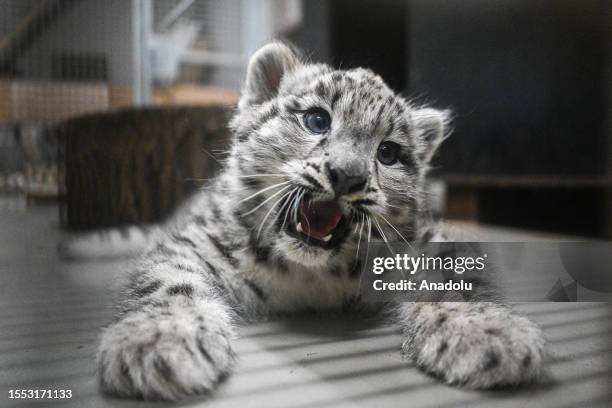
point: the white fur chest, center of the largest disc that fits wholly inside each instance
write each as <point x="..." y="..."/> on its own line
<point x="296" y="288"/>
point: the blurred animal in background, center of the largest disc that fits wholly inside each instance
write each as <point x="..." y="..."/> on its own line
<point x="28" y="159"/>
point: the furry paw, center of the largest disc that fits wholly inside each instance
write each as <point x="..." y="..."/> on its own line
<point x="166" y="353"/>
<point x="475" y="345"/>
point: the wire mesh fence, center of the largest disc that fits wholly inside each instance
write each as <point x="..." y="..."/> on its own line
<point x="60" y="59"/>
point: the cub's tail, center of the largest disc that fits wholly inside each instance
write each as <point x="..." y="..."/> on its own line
<point x="109" y="243"/>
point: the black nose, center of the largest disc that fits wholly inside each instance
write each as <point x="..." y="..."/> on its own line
<point x="347" y="179"/>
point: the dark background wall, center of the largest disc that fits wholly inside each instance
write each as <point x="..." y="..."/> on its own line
<point x="528" y="82"/>
<point x="372" y="33"/>
<point x="358" y="33"/>
<point x="525" y="79"/>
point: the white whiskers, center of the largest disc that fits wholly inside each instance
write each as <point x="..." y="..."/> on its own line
<point x="396" y="230"/>
<point x="383" y="236"/>
<point x="286" y="206"/>
<point x="263" y="190"/>
<point x="263" y="222"/>
<point x="362" y="223"/>
<point x="266" y="200"/>
<point x="367" y="251"/>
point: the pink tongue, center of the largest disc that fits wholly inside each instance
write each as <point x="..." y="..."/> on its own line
<point x="319" y="218"/>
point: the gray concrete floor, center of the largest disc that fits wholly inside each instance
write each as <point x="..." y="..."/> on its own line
<point x="51" y="313"/>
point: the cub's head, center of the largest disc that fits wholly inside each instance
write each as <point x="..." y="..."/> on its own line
<point x="327" y="159"/>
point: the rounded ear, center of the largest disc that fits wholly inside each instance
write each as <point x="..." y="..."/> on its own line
<point x="432" y="127"/>
<point x="266" y="69"/>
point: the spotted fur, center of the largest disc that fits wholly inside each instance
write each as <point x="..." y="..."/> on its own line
<point x="227" y="256"/>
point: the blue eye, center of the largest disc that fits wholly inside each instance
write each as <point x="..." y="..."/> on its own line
<point x="388" y="153"/>
<point x="317" y="120"/>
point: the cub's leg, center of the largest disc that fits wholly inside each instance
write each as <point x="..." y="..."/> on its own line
<point x="174" y="337"/>
<point x="477" y="345"/>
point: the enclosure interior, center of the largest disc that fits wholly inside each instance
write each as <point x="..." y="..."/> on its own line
<point x="529" y="158"/>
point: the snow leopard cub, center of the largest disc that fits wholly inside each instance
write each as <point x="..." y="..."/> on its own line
<point x="319" y="156"/>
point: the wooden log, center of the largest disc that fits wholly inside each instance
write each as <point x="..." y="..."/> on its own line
<point x="134" y="166"/>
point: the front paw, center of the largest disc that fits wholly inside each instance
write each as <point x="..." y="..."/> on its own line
<point x="475" y="345"/>
<point x="166" y="353"/>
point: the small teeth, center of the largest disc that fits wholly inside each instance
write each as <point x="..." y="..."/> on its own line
<point x="298" y="228"/>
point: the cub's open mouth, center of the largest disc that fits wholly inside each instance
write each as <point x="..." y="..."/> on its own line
<point x="320" y="223"/>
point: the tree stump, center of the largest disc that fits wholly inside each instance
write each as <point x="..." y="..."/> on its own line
<point x="135" y="166"/>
